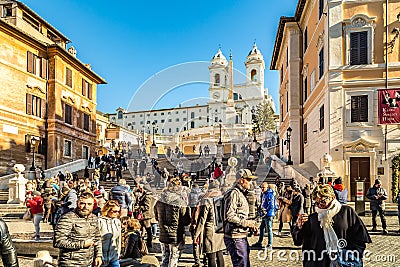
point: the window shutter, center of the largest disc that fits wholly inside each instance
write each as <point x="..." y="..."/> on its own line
<point x="364" y="108"/>
<point x="30" y="62"/>
<point x="363" y="42"/>
<point x="94" y="126"/>
<point x="305" y="133"/>
<point x="28" y="104"/>
<point x="43" y="106"/>
<point x="321" y="63"/>
<point x="68" y="79"/>
<point x="83" y="87"/>
<point x="354" y="109"/>
<point x="90" y="91"/>
<point x="43" y="71"/>
<point x="78" y="118"/>
<point x="354" y="48"/>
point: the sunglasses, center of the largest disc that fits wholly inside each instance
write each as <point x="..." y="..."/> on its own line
<point x="322" y="200"/>
<point x="114" y="211"/>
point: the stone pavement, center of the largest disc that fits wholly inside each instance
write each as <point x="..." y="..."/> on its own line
<point x="384" y="251"/>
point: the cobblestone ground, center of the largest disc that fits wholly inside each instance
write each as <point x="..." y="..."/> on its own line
<point x="384" y="250"/>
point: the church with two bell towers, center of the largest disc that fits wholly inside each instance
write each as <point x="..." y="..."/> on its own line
<point x="231" y="103"/>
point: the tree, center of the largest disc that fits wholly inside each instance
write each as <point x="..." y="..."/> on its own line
<point x="266" y="116"/>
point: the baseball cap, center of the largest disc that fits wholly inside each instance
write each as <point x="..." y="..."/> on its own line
<point x="246" y="174"/>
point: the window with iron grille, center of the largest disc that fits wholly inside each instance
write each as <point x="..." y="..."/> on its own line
<point x="358" y="48"/>
<point x="359" y="108"/>
<point x="68" y="114"/>
<point x="67" y="148"/>
<point x="86" y="122"/>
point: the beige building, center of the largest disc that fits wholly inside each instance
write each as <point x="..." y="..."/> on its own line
<point x="47" y="93"/>
<point x="333" y="56"/>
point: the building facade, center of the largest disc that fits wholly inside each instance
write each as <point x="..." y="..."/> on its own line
<point x="333" y="57"/>
<point x="48" y="103"/>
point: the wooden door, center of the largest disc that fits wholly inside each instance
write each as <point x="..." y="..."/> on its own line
<point x="359" y="168"/>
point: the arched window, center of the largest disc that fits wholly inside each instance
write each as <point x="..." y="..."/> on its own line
<point x="120" y="114"/>
<point x="217" y="79"/>
<point x="253" y="75"/>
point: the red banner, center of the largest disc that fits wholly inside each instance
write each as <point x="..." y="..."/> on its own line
<point x="388" y="106"/>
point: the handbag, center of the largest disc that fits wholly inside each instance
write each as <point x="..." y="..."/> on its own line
<point x="27" y="215"/>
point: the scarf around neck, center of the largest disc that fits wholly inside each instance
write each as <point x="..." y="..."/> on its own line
<point x="325" y="217"/>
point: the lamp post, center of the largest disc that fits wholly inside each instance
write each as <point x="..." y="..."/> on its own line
<point x="220" y="133"/>
<point x="287" y="143"/>
<point x="34" y="143"/>
<point x="153" y="124"/>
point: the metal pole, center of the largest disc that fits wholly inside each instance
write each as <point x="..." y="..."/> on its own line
<point x="220" y="133"/>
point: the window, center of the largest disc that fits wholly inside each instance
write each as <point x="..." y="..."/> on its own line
<point x="68" y="114"/>
<point x="192" y="115"/>
<point x="320" y="8"/>
<point x="154" y="114"/>
<point x="177" y="119"/>
<point x="169" y="113"/>
<point x="162" y="121"/>
<point x="176" y="112"/>
<point x="321" y="118"/>
<point x="358" y="48"/>
<point x="199" y="118"/>
<point x="170" y="130"/>
<point x="216" y="79"/>
<point x="141" y="115"/>
<point x="281" y="74"/>
<point x="192" y="124"/>
<point x="85" y="152"/>
<point x="67" y="148"/>
<point x="120" y="114"/>
<point x="133" y="123"/>
<point x="148" y="115"/>
<point x="133" y="116"/>
<point x="169" y="120"/>
<point x="155" y="121"/>
<point x="36" y="65"/>
<point x="287" y="56"/>
<point x="86" y="89"/>
<point x="184" y="111"/>
<point x="86" y="121"/>
<point x="253" y="75"/>
<point x="305" y="40"/>
<point x="7" y="11"/>
<point x="359" y="108"/>
<point x="68" y="77"/>
<point x="305" y="87"/>
<point x="321" y="63"/>
<point x="162" y="113"/>
<point x="305" y="133"/>
<point x="281" y="112"/>
<point x="141" y="123"/>
<point x="312" y="80"/>
<point x="199" y="109"/>
<point x="177" y="130"/>
<point x="35" y="106"/>
<point x="162" y="131"/>
<point x="184" y="119"/>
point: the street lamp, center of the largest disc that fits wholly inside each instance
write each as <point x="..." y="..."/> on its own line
<point x="34" y="143"/>
<point x="287" y="143"/>
<point x="153" y="124"/>
<point x="220" y="133"/>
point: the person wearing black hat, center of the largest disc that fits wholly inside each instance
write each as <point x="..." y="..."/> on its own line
<point x="377" y="195"/>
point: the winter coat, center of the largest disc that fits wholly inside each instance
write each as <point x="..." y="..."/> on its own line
<point x="69" y="202"/>
<point x="236" y="212"/>
<point x="377" y="203"/>
<point x="297" y="204"/>
<point x="70" y="234"/>
<point x="110" y="231"/>
<point x="133" y="245"/>
<point x="285" y="211"/>
<point x="212" y="242"/>
<point x="269" y="204"/>
<point x="8" y="252"/>
<point x="173" y="215"/>
<point x="35" y="204"/>
<point x="146" y="203"/>
<point x="122" y="195"/>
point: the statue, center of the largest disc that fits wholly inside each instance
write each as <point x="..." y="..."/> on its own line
<point x="16" y="186"/>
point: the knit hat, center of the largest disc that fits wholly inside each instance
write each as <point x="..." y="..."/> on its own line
<point x="377" y="181"/>
<point x="96" y="193"/>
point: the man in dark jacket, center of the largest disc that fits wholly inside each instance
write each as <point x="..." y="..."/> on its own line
<point x="297" y="204"/>
<point x="8" y="252"/>
<point x="236" y="219"/>
<point x="142" y="167"/>
<point x="121" y="193"/>
<point x="377" y="195"/>
<point x="172" y="214"/>
<point x="77" y="236"/>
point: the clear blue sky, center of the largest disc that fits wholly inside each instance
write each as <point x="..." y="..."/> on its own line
<point x="128" y="42"/>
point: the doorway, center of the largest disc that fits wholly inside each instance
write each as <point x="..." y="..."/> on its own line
<point x="359" y="168"/>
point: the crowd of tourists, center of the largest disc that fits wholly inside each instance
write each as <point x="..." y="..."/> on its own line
<point x="96" y="227"/>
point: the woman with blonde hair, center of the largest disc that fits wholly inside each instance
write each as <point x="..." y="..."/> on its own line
<point x="110" y="231"/>
<point x="134" y="245"/>
<point x="334" y="233"/>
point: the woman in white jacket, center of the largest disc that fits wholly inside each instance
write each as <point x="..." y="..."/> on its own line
<point x="110" y="231"/>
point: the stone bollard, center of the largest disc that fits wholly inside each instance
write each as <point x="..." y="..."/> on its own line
<point x="42" y="259"/>
<point x="16" y="186"/>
